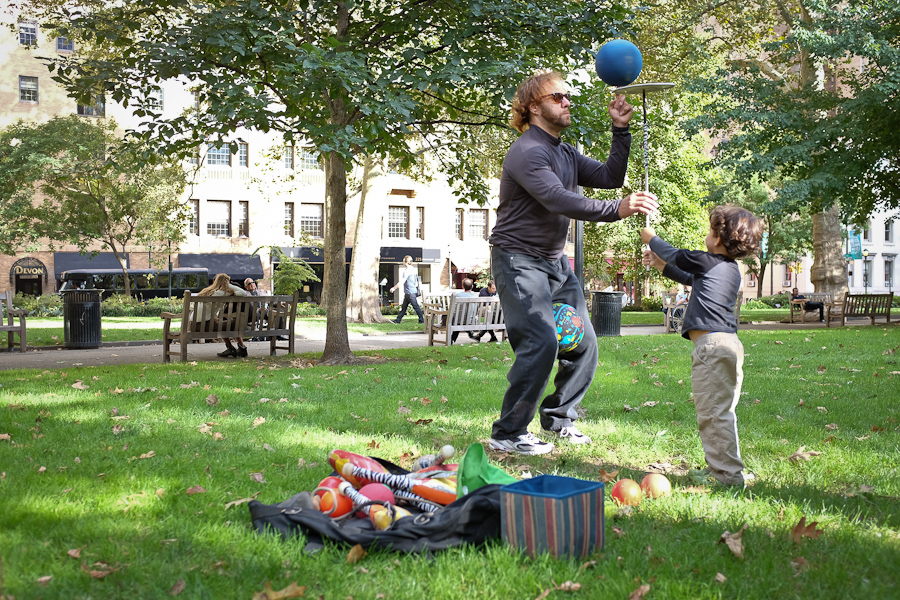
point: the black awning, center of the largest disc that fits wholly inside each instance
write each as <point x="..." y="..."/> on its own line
<point x="237" y="266"/>
<point x="391" y="254"/>
<point x="65" y="261"/>
<point x="314" y="256"/>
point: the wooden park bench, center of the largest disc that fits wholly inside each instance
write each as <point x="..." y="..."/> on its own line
<point x="273" y="316"/>
<point x="860" y="305"/>
<point x="798" y="307"/>
<point x="470" y="314"/>
<point x="9" y="325"/>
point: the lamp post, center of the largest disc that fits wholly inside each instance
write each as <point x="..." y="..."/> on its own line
<point x="866" y="270"/>
<point x="170" y="268"/>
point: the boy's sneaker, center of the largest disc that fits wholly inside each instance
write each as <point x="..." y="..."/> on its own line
<point x="227" y="353"/>
<point x="705" y="477"/>
<point x="242" y="352"/>
<point x="527" y="444"/>
<point x="569" y="434"/>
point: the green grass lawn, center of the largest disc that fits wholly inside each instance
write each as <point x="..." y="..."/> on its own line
<point x="49" y="332"/>
<point x="95" y="465"/>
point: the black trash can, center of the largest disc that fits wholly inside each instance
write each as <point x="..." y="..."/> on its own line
<point x="81" y="315"/>
<point x="606" y="313"/>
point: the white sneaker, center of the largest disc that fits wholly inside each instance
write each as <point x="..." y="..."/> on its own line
<point x="570" y="434"/>
<point x="527" y="444"/>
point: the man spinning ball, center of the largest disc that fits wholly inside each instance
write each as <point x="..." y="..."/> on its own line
<point x="538" y="197"/>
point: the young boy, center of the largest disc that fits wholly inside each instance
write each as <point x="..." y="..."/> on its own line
<point x="718" y="357"/>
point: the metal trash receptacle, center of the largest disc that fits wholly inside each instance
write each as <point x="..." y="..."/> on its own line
<point x="606" y="313"/>
<point x="81" y="316"/>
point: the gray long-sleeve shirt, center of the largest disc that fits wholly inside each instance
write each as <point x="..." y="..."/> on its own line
<point x="714" y="279"/>
<point x="538" y="191"/>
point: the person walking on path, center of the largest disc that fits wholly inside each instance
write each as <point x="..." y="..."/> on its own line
<point x="538" y="198"/>
<point x="718" y="358"/>
<point x="409" y="279"/>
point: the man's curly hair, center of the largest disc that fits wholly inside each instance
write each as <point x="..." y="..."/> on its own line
<point x="529" y="93"/>
<point x="739" y="230"/>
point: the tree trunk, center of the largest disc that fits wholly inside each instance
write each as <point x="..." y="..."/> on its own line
<point x="363" y="298"/>
<point x="337" y="343"/>
<point x="829" y="270"/>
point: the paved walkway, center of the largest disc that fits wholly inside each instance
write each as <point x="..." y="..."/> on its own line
<point x="119" y="353"/>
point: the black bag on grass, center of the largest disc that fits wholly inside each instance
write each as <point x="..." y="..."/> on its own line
<point x="472" y="519"/>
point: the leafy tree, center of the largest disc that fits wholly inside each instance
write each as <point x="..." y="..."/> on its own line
<point x="353" y="78"/>
<point x="794" y="100"/>
<point x="75" y="182"/>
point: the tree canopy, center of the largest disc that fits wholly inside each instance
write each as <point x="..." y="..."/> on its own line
<point x="73" y="181"/>
<point x="349" y="77"/>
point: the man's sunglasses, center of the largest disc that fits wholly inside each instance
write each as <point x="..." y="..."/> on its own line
<point x="557" y="97"/>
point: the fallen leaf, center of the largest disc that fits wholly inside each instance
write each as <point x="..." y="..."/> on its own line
<point x="212" y="400"/>
<point x="802" y="454"/>
<point x="150" y="454"/>
<point x="97" y="573"/>
<point x="831" y="426"/>
<point x="257" y="477"/>
<point x="403" y="410"/>
<point x="799" y="565"/>
<point x="608" y="477"/>
<point x="195" y="490"/>
<point x="356" y="554"/>
<point x="719" y="577"/>
<point x="268" y="447"/>
<point x="258" y="421"/>
<point x="5" y="436"/>
<point x="76" y="553"/>
<point x="802" y="530"/>
<point x="177" y="588"/>
<point x="79" y="385"/>
<point x="618" y="532"/>
<point x="734" y="541"/>
<point x="45" y="580"/>
<point x="568" y="586"/>
<point x="291" y="591"/>
<point x="42" y="469"/>
<point x="543" y="594"/>
<point x="639" y="593"/>
<point x="241" y="501"/>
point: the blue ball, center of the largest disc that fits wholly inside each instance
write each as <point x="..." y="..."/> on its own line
<point x="619" y="62"/>
<point x="569" y="326"/>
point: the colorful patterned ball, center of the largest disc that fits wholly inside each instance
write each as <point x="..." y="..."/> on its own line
<point x="569" y="326"/>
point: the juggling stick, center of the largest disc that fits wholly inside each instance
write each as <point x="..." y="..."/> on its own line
<point x="382" y="516"/>
<point x="435" y="460"/>
<point x="417" y="501"/>
<point x="433" y="491"/>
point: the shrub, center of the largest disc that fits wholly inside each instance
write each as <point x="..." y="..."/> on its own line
<point x="755" y="304"/>
<point x="45" y="305"/>
<point x="651" y="304"/>
<point x="307" y="309"/>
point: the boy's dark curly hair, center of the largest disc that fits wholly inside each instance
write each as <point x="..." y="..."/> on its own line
<point x="739" y="230"/>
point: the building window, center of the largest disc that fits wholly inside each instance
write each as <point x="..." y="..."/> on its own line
<point x="243" y="155"/>
<point x="867" y="234"/>
<point x="309" y="159"/>
<point x="218" y="218"/>
<point x="288" y="157"/>
<point x="788" y="276"/>
<point x="459" y="223"/>
<point x="96" y="109"/>
<point x="311" y="219"/>
<point x="889" y="272"/>
<point x="751" y="279"/>
<point x="570" y="233"/>
<point x="194" y="227"/>
<point x="289" y="218"/>
<point x="218" y="157"/>
<point x="244" y="218"/>
<point x="28" y="89"/>
<point x="420" y="222"/>
<point x="155" y="100"/>
<point x="478" y="224"/>
<point x="27" y="34"/>
<point x="889" y="232"/>
<point x="398" y="222"/>
<point x="64" y="45"/>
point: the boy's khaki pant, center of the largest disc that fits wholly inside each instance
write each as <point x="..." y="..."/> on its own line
<point x="716" y="377"/>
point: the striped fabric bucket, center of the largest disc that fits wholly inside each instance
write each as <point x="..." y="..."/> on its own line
<point x="549" y="513"/>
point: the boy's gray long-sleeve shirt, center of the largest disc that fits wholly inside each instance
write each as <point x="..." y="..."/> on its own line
<point x="538" y="191"/>
<point x="714" y="279"/>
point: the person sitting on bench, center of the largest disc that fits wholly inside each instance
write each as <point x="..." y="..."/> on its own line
<point x="809" y="306"/>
